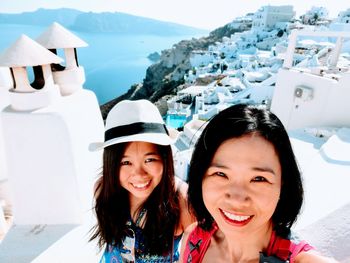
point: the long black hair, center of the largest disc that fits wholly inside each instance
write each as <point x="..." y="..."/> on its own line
<point x="112" y="205"/>
<point x="235" y="122"/>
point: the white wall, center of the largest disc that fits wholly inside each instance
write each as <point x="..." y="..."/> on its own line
<point x="324" y="161"/>
<point x="5" y="84"/>
<point x="51" y="170"/>
<point x="328" y="104"/>
<point x="201" y="59"/>
<point x="5" y="194"/>
<point x="331" y="234"/>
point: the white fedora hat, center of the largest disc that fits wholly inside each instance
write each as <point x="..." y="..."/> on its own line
<point x="137" y="120"/>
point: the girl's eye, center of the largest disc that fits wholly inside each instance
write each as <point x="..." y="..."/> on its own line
<point x="220" y="174"/>
<point x="259" y="179"/>
<point x="125" y="163"/>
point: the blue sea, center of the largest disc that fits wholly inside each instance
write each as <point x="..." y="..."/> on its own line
<point x="112" y="62"/>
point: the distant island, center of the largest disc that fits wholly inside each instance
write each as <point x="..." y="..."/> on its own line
<point x="105" y="22"/>
<point x="154" y="57"/>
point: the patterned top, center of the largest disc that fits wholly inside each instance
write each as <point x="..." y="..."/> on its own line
<point x="280" y="250"/>
<point x="133" y="248"/>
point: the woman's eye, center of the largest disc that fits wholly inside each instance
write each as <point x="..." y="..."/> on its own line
<point x="259" y="179"/>
<point x="125" y="163"/>
<point x="148" y="160"/>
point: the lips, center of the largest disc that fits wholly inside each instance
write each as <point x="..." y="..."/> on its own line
<point x="141" y="186"/>
<point x="236" y="219"/>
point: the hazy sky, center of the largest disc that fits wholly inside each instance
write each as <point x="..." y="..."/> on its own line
<point x="197" y="13"/>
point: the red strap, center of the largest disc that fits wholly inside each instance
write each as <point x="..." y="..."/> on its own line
<point x="279" y="247"/>
<point x="199" y="241"/>
<point x="286" y="249"/>
<point x="197" y="244"/>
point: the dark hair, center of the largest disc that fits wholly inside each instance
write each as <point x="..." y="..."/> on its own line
<point x="113" y="208"/>
<point x="235" y="122"/>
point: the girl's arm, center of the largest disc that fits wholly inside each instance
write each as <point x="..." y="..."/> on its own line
<point x="97" y="187"/>
<point x="186" y="218"/>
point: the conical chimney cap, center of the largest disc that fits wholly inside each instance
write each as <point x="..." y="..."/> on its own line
<point x="56" y="36"/>
<point x="27" y="52"/>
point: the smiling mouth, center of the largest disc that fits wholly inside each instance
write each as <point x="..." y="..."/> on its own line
<point x="141" y="186"/>
<point x="234" y="219"/>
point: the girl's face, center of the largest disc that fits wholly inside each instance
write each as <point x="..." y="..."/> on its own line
<point x="141" y="170"/>
<point x="242" y="185"/>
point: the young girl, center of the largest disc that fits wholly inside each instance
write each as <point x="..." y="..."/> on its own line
<point x="141" y="214"/>
<point x="246" y="192"/>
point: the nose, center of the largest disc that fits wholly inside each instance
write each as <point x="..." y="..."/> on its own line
<point x="139" y="170"/>
<point x="237" y="192"/>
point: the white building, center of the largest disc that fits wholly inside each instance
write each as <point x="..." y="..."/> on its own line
<point x="342" y="22"/>
<point x="201" y="58"/>
<point x="344" y="17"/>
<point x="241" y="23"/>
<point x="314" y="97"/>
<point x="315" y="15"/>
<point x="267" y="16"/>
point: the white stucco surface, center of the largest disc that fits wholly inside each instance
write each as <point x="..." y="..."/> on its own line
<point x="50" y="243"/>
<point x="5" y="84"/>
<point x="325" y="216"/>
<point x="51" y="170"/>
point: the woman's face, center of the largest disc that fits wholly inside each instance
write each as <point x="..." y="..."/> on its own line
<point x="242" y="185"/>
<point x="141" y="170"/>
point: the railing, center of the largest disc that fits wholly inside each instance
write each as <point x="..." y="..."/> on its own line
<point x="340" y="35"/>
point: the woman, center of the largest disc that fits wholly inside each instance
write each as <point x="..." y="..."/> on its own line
<point x="141" y="214"/>
<point x="246" y="192"/>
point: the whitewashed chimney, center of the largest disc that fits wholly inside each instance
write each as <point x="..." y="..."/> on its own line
<point x="20" y="56"/>
<point x="70" y="77"/>
<point x="46" y="139"/>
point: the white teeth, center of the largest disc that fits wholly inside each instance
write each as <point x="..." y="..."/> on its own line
<point x="140" y="185"/>
<point x="235" y="217"/>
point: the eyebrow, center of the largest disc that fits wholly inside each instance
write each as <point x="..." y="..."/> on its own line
<point x="258" y="169"/>
<point x="146" y="154"/>
<point x="264" y="169"/>
<point x="152" y="153"/>
<point x="216" y="165"/>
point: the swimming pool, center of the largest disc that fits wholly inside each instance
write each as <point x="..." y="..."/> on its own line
<point x="175" y="121"/>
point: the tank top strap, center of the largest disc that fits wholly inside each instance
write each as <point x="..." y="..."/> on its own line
<point x="140" y="216"/>
<point x="286" y="249"/>
<point x="279" y="247"/>
<point x="198" y="243"/>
